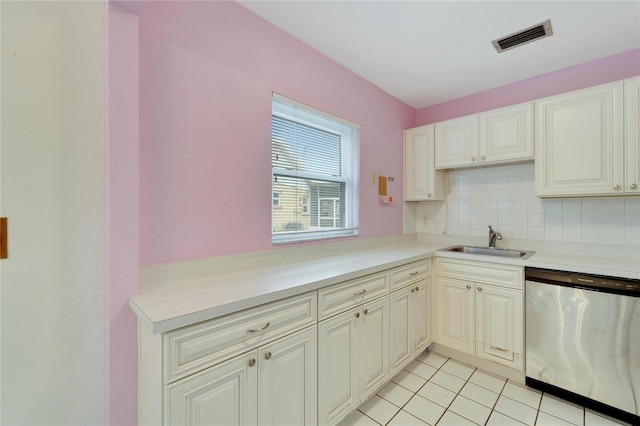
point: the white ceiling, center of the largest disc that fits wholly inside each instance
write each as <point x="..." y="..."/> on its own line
<point x="428" y="52"/>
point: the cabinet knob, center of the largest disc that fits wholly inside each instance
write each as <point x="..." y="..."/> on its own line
<point x="468" y="286"/>
<point x="357" y="314"/>
<point x="417" y="288"/>
<point x="633" y="186"/>
<point x="479" y="288"/>
<point x="252" y="362"/>
<point x="267" y="355"/>
<point x="616" y="187"/>
<point x="366" y="311"/>
<point x="429" y="195"/>
<point x="483" y="157"/>
<point x="473" y="159"/>
<point x="413" y="290"/>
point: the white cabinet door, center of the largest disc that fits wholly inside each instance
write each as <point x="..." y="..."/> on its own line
<point x="421" y="180"/>
<point x="287" y="380"/>
<point x="506" y="134"/>
<point x="374" y="346"/>
<point x="632" y="135"/>
<point x="422" y="315"/>
<point x="222" y="395"/>
<point x="455" y="320"/>
<point x="457" y="142"/>
<point x="337" y="367"/>
<point x="400" y="335"/>
<point x="499" y="325"/>
<point x="579" y="142"/>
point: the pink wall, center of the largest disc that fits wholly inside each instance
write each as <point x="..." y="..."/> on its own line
<point x="206" y="71"/>
<point x="604" y="70"/>
<point x="122" y="217"/>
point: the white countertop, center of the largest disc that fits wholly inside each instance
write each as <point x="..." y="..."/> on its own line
<point x="189" y="293"/>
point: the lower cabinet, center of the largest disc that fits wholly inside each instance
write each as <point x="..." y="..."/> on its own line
<point x="477" y="317"/>
<point x="353" y="358"/>
<point x="410" y="326"/>
<point x="499" y="324"/>
<point x="272" y="385"/>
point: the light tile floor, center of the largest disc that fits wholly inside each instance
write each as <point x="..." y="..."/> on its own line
<point x="434" y="390"/>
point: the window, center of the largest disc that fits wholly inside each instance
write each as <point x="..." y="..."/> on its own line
<point x="314" y="160"/>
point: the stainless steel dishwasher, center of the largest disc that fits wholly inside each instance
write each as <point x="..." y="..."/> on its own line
<point x="583" y="339"/>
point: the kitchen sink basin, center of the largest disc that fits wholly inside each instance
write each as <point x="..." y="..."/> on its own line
<point x="491" y="251"/>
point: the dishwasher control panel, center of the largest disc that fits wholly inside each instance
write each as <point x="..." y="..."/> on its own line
<point x="591" y="282"/>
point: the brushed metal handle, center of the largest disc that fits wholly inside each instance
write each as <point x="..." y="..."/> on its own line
<point x="358" y="293"/>
<point x="366" y="311"/>
<point x="616" y="187"/>
<point x="414" y="273"/>
<point x="357" y="314"/>
<point x="255" y="330"/>
<point x="473" y="158"/>
<point x="483" y="157"/>
<point x="468" y="287"/>
<point x="499" y="349"/>
<point x="479" y="288"/>
<point x="633" y="186"/>
<point x="267" y="355"/>
<point x="252" y="362"/>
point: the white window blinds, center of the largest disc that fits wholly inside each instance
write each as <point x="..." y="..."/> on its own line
<point x="314" y="160"/>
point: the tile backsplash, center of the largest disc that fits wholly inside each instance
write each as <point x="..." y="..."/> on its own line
<point x="504" y="197"/>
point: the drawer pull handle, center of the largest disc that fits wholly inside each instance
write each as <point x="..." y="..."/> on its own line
<point x="414" y="273"/>
<point x="357" y="314"/>
<point x="499" y="349"/>
<point x="358" y="293"/>
<point x="468" y="287"/>
<point x="417" y="288"/>
<point x="267" y="355"/>
<point x="366" y="311"/>
<point x="413" y="290"/>
<point x="479" y="288"/>
<point x="252" y="362"/>
<point x="252" y="330"/>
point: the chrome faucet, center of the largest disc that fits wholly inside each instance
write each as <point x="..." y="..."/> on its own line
<point x="493" y="236"/>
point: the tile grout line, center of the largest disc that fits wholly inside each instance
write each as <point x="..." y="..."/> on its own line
<point x="500" y="394"/>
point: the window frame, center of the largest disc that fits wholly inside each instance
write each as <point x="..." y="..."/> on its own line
<point x="349" y="142"/>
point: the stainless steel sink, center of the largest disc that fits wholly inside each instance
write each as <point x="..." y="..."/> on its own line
<point x="491" y="251"/>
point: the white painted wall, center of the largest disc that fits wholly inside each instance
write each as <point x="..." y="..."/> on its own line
<point x="52" y="188"/>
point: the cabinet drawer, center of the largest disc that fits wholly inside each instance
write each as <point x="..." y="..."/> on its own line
<point x="410" y="273"/>
<point x="489" y="273"/>
<point x="340" y="297"/>
<point x="199" y="346"/>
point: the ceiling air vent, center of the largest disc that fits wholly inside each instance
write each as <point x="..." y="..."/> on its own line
<point x="525" y="36"/>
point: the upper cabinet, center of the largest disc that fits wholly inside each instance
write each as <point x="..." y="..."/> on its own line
<point x="421" y="180"/>
<point x="506" y="134"/>
<point x="580" y="145"/>
<point x="495" y="136"/>
<point x="632" y="135"/>
<point x="457" y="142"/>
